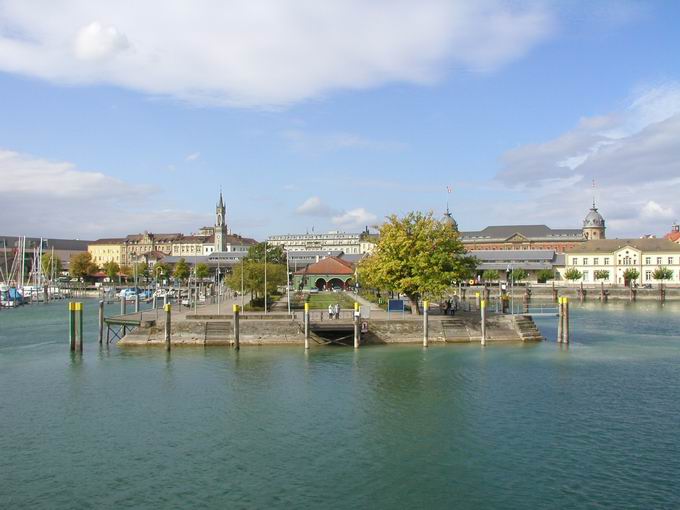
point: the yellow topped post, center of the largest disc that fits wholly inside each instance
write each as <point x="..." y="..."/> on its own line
<point x="482" y="309"/>
<point x="306" y="307"/>
<point x="356" y="306"/>
<point x="167" y="307"/>
<point x="306" y="324"/>
<point x="426" y="325"/>
<point x="235" y="308"/>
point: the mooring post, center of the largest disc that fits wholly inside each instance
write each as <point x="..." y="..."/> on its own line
<point x="602" y="295"/>
<point x="426" y="306"/>
<point x="101" y="322"/>
<point x="565" y="331"/>
<point x="357" y="332"/>
<point x="581" y="293"/>
<point x="306" y="321"/>
<point x="527" y="296"/>
<point x="123" y="305"/>
<point x="482" y="309"/>
<point x="136" y="303"/>
<point x="46" y="293"/>
<point x="554" y="292"/>
<point x="560" y="320"/>
<point x="153" y="301"/>
<point x="168" y="325"/>
<point x="237" y="333"/>
<point x="79" y="326"/>
<point x="72" y="326"/>
<point x="478" y="299"/>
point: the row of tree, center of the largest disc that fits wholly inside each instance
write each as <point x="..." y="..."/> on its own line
<point x="629" y="275"/>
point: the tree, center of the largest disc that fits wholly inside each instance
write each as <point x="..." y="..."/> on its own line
<point x="50" y="264"/>
<point x="417" y="256"/>
<point x="662" y="273"/>
<point x="202" y="270"/>
<point x="601" y="274"/>
<point x="140" y="269"/>
<point x="253" y="277"/>
<point x="82" y="266"/>
<point x="544" y="275"/>
<point x="491" y="275"/>
<point x="125" y="271"/>
<point x="275" y="254"/>
<point x="161" y="270"/>
<point x="111" y="268"/>
<point x="572" y="274"/>
<point x="630" y="275"/>
<point x="181" y="271"/>
<point x="519" y="274"/>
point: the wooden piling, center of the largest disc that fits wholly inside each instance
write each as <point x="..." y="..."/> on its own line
<point x="237" y="332"/>
<point x="581" y="293"/>
<point x="306" y="321"/>
<point x="101" y="322"/>
<point x="357" y="331"/>
<point x="136" y="303"/>
<point x="554" y="292"/>
<point x="79" y="335"/>
<point x="72" y="326"/>
<point x="482" y="310"/>
<point x="478" y="299"/>
<point x="603" y="296"/>
<point x="426" y="326"/>
<point x="168" y="326"/>
<point x="565" y="330"/>
<point x="527" y="297"/>
<point x="560" y="320"/>
<point x="123" y="305"/>
<point x="46" y="293"/>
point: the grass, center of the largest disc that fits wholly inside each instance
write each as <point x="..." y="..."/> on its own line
<point x="321" y="300"/>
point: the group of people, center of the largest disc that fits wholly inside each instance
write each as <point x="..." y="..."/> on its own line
<point x="450" y="307"/>
<point x="334" y="311"/>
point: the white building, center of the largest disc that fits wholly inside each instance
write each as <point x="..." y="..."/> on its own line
<point x="617" y="255"/>
<point x="331" y="241"/>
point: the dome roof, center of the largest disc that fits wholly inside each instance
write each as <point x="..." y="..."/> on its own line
<point x="449" y="221"/>
<point x="593" y="219"/>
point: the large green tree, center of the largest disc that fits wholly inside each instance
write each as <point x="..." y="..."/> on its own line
<point x="416" y="255"/>
<point x="82" y="266"/>
<point x="662" y="273"/>
<point x="518" y="274"/>
<point x="275" y="254"/>
<point x="601" y="274"/>
<point x="491" y="275"/>
<point x="630" y="275"/>
<point x="544" y="275"/>
<point x="161" y="270"/>
<point x="50" y="264"/>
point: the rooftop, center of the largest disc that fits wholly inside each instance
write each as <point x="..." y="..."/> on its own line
<point x="612" y="245"/>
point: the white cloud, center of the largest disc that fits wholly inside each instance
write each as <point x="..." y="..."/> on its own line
<point x="265" y="53"/>
<point x="96" y="42"/>
<point x="193" y="156"/>
<point x="65" y="201"/>
<point x="355" y="218"/>
<point x="314" y="206"/>
<point x="633" y="155"/>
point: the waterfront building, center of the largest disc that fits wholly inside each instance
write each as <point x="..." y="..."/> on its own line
<point x="355" y="243"/>
<point x="149" y="246"/>
<point x="532" y="261"/>
<point x="326" y="274"/>
<point x="533" y="237"/>
<point x="617" y="255"/>
<point x="63" y="249"/>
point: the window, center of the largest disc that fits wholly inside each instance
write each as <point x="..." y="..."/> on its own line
<point x="658" y="261"/>
<point x="670" y="260"/>
<point x="627" y="260"/>
<point x="585" y="276"/>
<point x="574" y="261"/>
<point x="596" y="261"/>
<point x="606" y="261"/>
<point x="585" y="261"/>
<point x="648" y="260"/>
<point x="648" y="275"/>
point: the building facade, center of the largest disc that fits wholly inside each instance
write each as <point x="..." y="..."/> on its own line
<point x="351" y="243"/>
<point x="617" y="255"/>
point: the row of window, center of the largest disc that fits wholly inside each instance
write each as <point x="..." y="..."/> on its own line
<point x="649" y="276"/>
<point x="625" y="261"/>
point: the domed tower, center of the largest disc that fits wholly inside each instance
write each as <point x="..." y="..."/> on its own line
<point x="593" y="225"/>
<point x="449" y="221"/>
<point x="220" y="225"/>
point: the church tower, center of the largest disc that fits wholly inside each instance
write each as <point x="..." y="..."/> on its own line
<point x="593" y="225"/>
<point x="220" y="226"/>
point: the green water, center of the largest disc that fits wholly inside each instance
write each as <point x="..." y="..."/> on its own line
<point x="596" y="425"/>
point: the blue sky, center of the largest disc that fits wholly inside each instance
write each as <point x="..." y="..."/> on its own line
<point x="118" y="118"/>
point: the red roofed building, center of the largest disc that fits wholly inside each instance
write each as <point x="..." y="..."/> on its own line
<point x="674" y="234"/>
<point x="328" y="273"/>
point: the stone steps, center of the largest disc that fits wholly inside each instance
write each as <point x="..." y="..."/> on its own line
<point x="218" y="330"/>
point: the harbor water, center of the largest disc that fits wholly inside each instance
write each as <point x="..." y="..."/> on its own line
<point x="592" y="425"/>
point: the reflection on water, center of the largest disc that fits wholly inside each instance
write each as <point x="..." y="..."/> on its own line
<point x="509" y="426"/>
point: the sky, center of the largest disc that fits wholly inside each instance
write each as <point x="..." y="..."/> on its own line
<point x="124" y="117"/>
